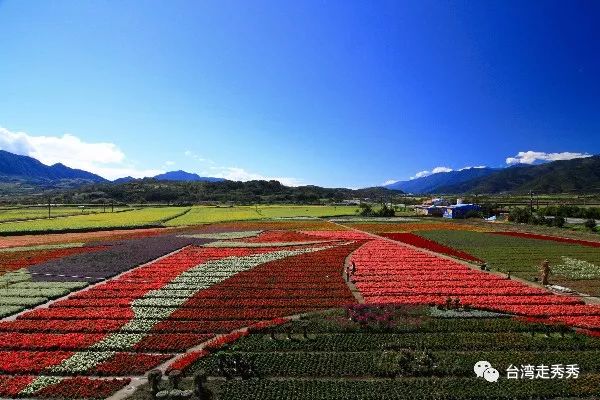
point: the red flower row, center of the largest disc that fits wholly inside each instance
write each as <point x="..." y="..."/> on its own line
<point x="418" y="241"/>
<point x="113" y="325"/>
<point x="162" y="342"/>
<point x="48" y="341"/>
<point x="447" y="290"/>
<point x="69" y="388"/>
<point x="28" y="362"/>
<point x="170" y="342"/>
<point x="34" y="362"/>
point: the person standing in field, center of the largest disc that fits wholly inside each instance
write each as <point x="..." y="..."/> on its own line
<point x="545" y="271"/>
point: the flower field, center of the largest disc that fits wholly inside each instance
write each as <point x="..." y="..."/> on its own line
<point x="390" y="273"/>
<point x="81" y="319"/>
<point x="148" y="315"/>
<point x="522" y="254"/>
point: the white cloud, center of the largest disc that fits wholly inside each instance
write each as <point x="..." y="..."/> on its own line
<point x="389" y="182"/>
<point x="103" y="158"/>
<point x="530" y="157"/>
<point x="236" y="173"/>
<point x="108" y="161"/>
<point x="476" y="167"/>
<point x="240" y="174"/>
<point x="436" y="170"/>
<point x="193" y="155"/>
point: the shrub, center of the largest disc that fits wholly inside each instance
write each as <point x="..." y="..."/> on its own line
<point x="590" y="224"/>
<point x="520" y="215"/>
<point x="559" y="221"/>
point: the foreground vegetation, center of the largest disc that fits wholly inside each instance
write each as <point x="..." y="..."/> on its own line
<point x="371" y="352"/>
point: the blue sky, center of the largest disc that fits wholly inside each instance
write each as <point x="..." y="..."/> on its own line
<point x="334" y="93"/>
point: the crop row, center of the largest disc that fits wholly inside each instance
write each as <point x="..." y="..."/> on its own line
<point x="368" y="363"/>
<point x="407" y="388"/>
<point x="458" y="341"/>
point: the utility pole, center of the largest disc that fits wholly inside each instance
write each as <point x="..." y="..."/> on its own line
<point x="48" y="207"/>
<point x="531" y="200"/>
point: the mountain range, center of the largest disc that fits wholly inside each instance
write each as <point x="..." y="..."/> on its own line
<point x="577" y="175"/>
<point x="14" y="168"/>
<point x="431" y="183"/>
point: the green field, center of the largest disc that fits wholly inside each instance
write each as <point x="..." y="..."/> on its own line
<point x="146" y="217"/>
<point x="24" y="213"/>
<point x="326" y="356"/>
<point x="523" y="256"/>
<point x="159" y="216"/>
<point x="203" y="215"/>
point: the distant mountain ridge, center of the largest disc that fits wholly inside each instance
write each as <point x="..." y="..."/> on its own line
<point x="432" y="183"/>
<point x="15" y="167"/>
<point x="185" y="177"/>
<point x="18" y="167"/>
<point x="577" y="175"/>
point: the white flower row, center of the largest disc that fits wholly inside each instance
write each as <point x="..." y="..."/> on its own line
<point x="39" y="383"/>
<point x="119" y="341"/>
<point x="577" y="269"/>
<point x="81" y="362"/>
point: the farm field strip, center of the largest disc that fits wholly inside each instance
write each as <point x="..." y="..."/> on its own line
<point x="415" y="240"/>
<point x="31" y="213"/>
<point x="151" y="216"/>
<point x="204" y="214"/>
